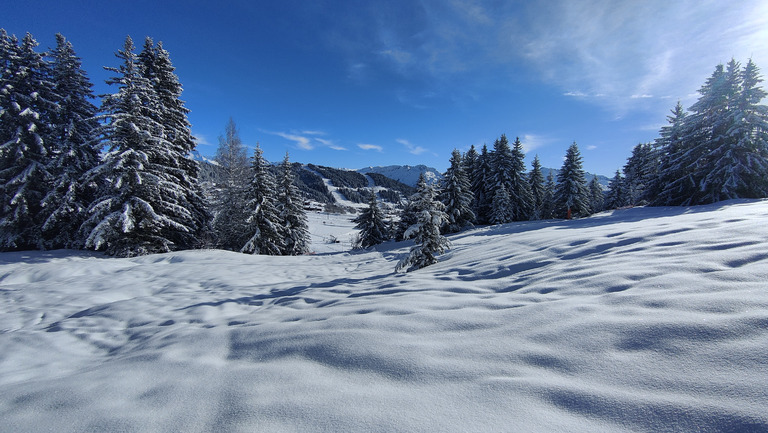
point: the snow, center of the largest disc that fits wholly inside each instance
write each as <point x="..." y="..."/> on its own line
<point x="644" y="319"/>
<point x="406" y="174"/>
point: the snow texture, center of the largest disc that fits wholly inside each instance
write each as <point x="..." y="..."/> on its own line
<point x="642" y="320"/>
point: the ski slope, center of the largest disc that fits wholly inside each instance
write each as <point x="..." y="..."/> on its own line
<point x="646" y="319"/>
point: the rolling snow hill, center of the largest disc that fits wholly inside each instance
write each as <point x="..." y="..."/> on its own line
<point x="639" y="320"/>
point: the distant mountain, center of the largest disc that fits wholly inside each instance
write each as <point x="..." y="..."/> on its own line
<point x="602" y="180"/>
<point x="407" y="174"/>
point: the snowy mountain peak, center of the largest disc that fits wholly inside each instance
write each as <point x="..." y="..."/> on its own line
<point x="407" y="174"/>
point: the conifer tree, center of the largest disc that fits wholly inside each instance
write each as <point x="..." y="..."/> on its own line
<point x="596" y="196"/>
<point x="617" y="193"/>
<point x="76" y="149"/>
<point x="571" y="194"/>
<point x="502" y="207"/>
<point x="639" y="172"/>
<point x="482" y="187"/>
<point x="456" y="195"/>
<point x="294" y="219"/>
<point x="673" y="183"/>
<point x="469" y="160"/>
<point x="408" y="217"/>
<point x="263" y="221"/>
<point x="548" y="204"/>
<point x="26" y="110"/>
<point x="429" y="242"/>
<point x="172" y="115"/>
<point x="139" y="203"/>
<point x="373" y="228"/>
<point x="231" y="196"/>
<point x="538" y="191"/>
<point x="520" y="192"/>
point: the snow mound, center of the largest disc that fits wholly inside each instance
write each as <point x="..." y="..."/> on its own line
<point x="645" y="319"/>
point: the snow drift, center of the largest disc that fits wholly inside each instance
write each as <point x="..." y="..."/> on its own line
<point x="648" y="319"/>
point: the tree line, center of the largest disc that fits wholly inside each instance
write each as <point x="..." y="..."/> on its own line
<point x="120" y="178"/>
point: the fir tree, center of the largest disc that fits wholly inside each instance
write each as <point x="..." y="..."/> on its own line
<point x="596" y="196"/>
<point x="294" y="220"/>
<point x="172" y="115"/>
<point x="26" y="110"/>
<point x="502" y="207"/>
<point x="76" y="149"/>
<point x="263" y="221"/>
<point x="429" y="242"/>
<point x="139" y="203"/>
<point x="639" y="172"/>
<point x="617" y="193"/>
<point x="538" y="191"/>
<point x="482" y="187"/>
<point x="673" y="183"/>
<point x="469" y="160"/>
<point x="456" y="195"/>
<point x="520" y="192"/>
<point x="373" y="228"/>
<point x="571" y="194"/>
<point x="230" y="215"/>
<point x="408" y="217"/>
<point x="548" y="203"/>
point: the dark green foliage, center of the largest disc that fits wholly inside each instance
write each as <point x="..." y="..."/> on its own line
<point x="571" y="193"/>
<point x="537" y="188"/>
<point x="310" y="184"/>
<point x="373" y="228"/>
<point x="596" y="196"/>
<point x="390" y="196"/>
<point x="341" y="178"/>
<point x="353" y="195"/>
<point x="291" y="209"/>
<point x="456" y="195"/>
<point x="263" y="221"/>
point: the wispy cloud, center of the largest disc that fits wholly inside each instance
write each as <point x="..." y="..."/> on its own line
<point x="591" y="147"/>
<point x="532" y="142"/>
<point x="412" y="148"/>
<point x="375" y="147"/>
<point x="201" y="139"/>
<point x="301" y="141"/>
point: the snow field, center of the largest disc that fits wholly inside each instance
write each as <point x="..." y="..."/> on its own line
<point x="646" y="319"/>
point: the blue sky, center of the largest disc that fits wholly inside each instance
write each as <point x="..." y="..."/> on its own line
<point x="357" y="83"/>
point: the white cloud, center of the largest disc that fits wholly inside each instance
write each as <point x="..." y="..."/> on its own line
<point x="301" y="141"/>
<point x="201" y="139"/>
<point x="534" y="141"/>
<point x="375" y="147"/>
<point x="591" y="147"/>
<point x="412" y="149"/>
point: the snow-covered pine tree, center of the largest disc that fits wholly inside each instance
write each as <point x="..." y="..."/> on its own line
<point x="456" y="195"/>
<point x="263" y="222"/>
<point x="571" y="194"/>
<point x="76" y="149"/>
<point x="639" y="172"/>
<point x="138" y="202"/>
<point x="408" y="217"/>
<point x="294" y="219"/>
<point x="502" y="169"/>
<point x="520" y="192"/>
<point x="673" y="182"/>
<point x="26" y="109"/>
<point x="501" y="211"/>
<point x="596" y="196"/>
<point x="469" y="160"/>
<point x="538" y="191"/>
<point x="158" y="68"/>
<point x="231" y="192"/>
<point x="373" y="228"/>
<point x="617" y="193"/>
<point x="429" y="242"/>
<point x="741" y="170"/>
<point x="548" y="204"/>
<point x="482" y="187"/>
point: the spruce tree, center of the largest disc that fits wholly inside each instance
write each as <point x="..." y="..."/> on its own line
<point x="639" y="172"/>
<point x="501" y="212"/>
<point x="373" y="228"/>
<point x="571" y="194"/>
<point x="231" y="195"/>
<point x="139" y="203"/>
<point x="548" y="203"/>
<point x="673" y="183"/>
<point x="429" y="242"/>
<point x="263" y="221"/>
<point x="76" y="149"/>
<point x="482" y="187"/>
<point x="27" y="106"/>
<point x="538" y="191"/>
<point x="172" y="115"/>
<point x="408" y="217"/>
<point x="469" y="160"/>
<point x="617" y="196"/>
<point x="294" y="220"/>
<point x="596" y="196"/>
<point x="520" y="192"/>
<point x="456" y="195"/>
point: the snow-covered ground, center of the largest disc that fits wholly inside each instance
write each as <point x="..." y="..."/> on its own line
<point x="637" y="320"/>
